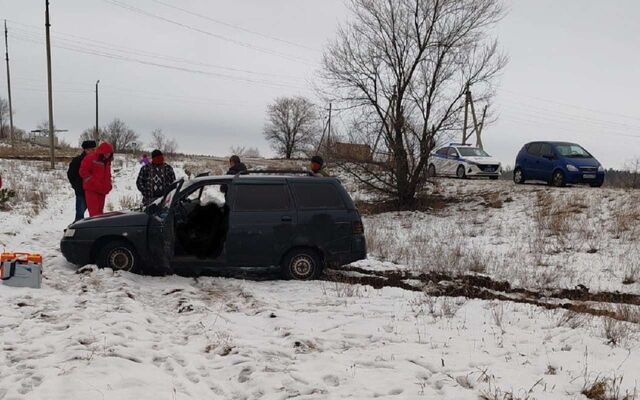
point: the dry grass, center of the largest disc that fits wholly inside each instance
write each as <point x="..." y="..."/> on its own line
<point x="32" y="183"/>
<point x="616" y="332"/>
<point x="626" y="220"/>
<point x="130" y="202"/>
<point x="602" y="388"/>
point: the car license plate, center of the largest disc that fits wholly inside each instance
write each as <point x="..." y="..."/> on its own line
<point x="589" y="176"/>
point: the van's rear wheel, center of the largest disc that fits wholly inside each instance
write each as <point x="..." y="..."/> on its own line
<point x="119" y="256"/>
<point x="301" y="265"/>
<point x="461" y="173"/>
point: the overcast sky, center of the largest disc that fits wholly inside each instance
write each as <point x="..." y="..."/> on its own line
<point x="206" y="79"/>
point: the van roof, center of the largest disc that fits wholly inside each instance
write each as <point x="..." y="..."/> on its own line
<point x="266" y="178"/>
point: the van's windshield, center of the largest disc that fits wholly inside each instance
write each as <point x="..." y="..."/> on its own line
<point x="570" y="150"/>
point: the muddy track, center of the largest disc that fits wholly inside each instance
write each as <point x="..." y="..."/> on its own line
<point x="485" y="288"/>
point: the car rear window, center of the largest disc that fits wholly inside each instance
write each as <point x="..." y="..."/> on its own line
<point x="317" y="195"/>
<point x="261" y="198"/>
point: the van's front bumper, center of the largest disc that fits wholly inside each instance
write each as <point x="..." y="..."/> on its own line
<point x="77" y="252"/>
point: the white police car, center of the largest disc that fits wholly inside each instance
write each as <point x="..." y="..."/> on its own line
<point x="463" y="161"/>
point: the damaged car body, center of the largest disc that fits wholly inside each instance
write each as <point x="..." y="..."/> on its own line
<point x="298" y="224"/>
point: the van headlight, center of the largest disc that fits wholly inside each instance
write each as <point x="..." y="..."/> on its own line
<point x="572" y="168"/>
<point x="600" y="168"/>
<point x="69" y="233"/>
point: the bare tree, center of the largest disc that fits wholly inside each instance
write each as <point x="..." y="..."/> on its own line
<point x="160" y="141"/>
<point x="119" y="135"/>
<point x="91" y="134"/>
<point x="252" y="152"/>
<point x="402" y="67"/>
<point x="291" y="125"/>
<point x="241" y="151"/>
<point x="157" y="139"/>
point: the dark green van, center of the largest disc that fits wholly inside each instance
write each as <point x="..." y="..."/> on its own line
<point x="298" y="224"/>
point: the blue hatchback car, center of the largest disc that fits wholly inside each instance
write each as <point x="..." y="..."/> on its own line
<point x="557" y="163"/>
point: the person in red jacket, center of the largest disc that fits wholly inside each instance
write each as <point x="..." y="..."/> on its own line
<point x="95" y="171"/>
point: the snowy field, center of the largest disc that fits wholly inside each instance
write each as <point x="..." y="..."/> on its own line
<point x="96" y="334"/>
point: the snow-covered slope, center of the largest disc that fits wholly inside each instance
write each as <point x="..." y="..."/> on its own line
<point x="104" y="335"/>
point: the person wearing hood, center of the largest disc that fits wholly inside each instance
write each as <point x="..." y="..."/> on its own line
<point x="95" y="171"/>
<point x="155" y="179"/>
<point x="73" y="174"/>
<point x="236" y="166"/>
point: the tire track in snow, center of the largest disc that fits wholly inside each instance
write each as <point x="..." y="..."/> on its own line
<point x="485" y="288"/>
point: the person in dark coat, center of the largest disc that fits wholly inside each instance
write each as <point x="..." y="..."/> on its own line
<point x="317" y="166"/>
<point x="235" y="165"/>
<point x="73" y="174"/>
<point x="154" y="179"/>
<point x="95" y="171"/>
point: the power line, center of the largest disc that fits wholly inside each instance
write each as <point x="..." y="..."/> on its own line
<point x="570" y="105"/>
<point x="85" y="41"/>
<point x="538" y="122"/>
<point x="238" y="27"/>
<point x="204" y="32"/>
<point x="111" y="90"/>
<point x="89" y="51"/>
<point x="569" y="118"/>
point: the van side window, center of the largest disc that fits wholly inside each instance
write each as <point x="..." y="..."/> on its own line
<point x="317" y="195"/>
<point x="261" y="198"/>
<point x="534" y="149"/>
<point x="453" y="152"/>
<point x="443" y="151"/>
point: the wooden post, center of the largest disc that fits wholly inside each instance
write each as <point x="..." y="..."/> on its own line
<point x="52" y="141"/>
<point x="6" y="46"/>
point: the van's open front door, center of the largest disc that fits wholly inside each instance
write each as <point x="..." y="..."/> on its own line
<point x="160" y="232"/>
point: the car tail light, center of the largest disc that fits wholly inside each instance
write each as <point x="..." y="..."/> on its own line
<point x="357" y="228"/>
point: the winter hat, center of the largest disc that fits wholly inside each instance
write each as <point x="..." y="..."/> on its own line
<point x="317" y="160"/>
<point x="156" y="153"/>
<point x="88" y="144"/>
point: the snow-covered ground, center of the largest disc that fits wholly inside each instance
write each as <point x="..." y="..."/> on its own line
<point x="532" y="235"/>
<point x="104" y="335"/>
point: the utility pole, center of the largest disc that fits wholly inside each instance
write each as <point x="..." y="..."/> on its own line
<point x="477" y="127"/>
<point x="325" y="129"/>
<point x="52" y="142"/>
<point x="97" y="129"/>
<point x="329" y="130"/>
<point x="6" y="46"/>
<point x="467" y="94"/>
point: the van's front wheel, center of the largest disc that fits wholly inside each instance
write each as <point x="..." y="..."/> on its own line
<point x="301" y="265"/>
<point x="119" y="256"/>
